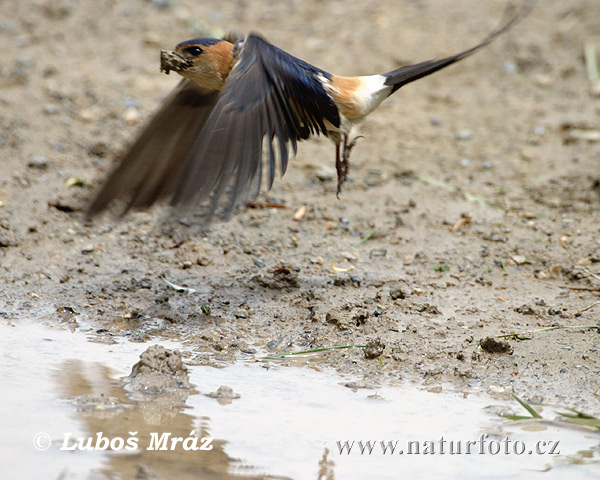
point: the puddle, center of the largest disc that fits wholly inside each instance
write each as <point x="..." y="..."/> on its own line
<point x="288" y="423"/>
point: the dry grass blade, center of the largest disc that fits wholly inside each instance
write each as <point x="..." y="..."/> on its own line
<point x="528" y="335"/>
<point x="527" y="407"/>
<point x="178" y="288"/>
<point x="569" y="287"/>
<point x="365" y="237"/>
<point x="276" y="356"/>
<point x="589" y="307"/>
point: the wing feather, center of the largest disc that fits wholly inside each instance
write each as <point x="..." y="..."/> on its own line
<point x="149" y="170"/>
<point x="270" y="95"/>
<point x="204" y="150"/>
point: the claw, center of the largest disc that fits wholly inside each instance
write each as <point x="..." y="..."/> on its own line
<point x="348" y="148"/>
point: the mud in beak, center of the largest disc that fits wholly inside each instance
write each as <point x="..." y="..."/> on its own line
<point x="170" y="60"/>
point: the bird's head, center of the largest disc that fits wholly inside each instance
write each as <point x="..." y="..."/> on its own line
<point x="205" y="61"/>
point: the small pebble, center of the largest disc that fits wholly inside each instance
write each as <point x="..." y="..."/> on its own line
<point x="374" y="348"/>
<point x="50" y="109"/>
<point x="496" y="389"/>
<point x="510" y="68"/>
<point x="495" y="345"/>
<point x="325" y="174"/>
<point x="38" y="162"/>
<point x="436" y="121"/>
<point x="464" y="134"/>
<point x="131" y="116"/>
<point x="544" y="81"/>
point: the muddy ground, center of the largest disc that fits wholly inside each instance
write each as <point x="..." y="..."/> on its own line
<point x="471" y="210"/>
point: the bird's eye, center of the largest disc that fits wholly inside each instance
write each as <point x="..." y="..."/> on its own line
<point x="193" y="51"/>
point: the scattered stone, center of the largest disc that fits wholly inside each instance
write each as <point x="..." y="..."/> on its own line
<point x="88" y="249"/>
<point x="159" y="371"/>
<point x="520" y="259"/>
<point x="494" y="237"/>
<point x="510" y="68"/>
<point x="38" y="162"/>
<point x="427" y="308"/>
<point x="279" y="279"/>
<point x="499" y="390"/>
<point x="99" y="149"/>
<point x="543" y="80"/>
<point x="464" y="134"/>
<point x="358" y="386"/>
<point x="495" y="345"/>
<point x="435" y="388"/>
<point x="341" y="320"/>
<point x="63" y="205"/>
<point x="377" y="252"/>
<point x="525" y="310"/>
<point x="50" y="109"/>
<point x="90" y="115"/>
<point x="131" y="116"/>
<point x="224" y="395"/>
<point x="374" y="348"/>
<point x="325" y="174"/>
<point x="283" y="342"/>
<point x="463" y="372"/>
<point x="397" y="293"/>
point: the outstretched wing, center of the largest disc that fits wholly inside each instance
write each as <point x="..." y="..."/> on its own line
<point x="151" y="167"/>
<point x="269" y="95"/>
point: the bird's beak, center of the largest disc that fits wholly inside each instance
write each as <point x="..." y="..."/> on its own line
<point x="170" y="60"/>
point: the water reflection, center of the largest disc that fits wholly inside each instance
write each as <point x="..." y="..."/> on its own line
<point x="105" y="409"/>
<point x="287" y="423"/>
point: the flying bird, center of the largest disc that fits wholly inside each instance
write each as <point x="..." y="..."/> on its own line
<point x="239" y="111"/>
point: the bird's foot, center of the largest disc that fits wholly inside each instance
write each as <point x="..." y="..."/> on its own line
<point x="348" y="148"/>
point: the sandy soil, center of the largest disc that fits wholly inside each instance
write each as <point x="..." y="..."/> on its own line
<point x="476" y="187"/>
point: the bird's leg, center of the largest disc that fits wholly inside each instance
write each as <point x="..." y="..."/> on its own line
<point x="343" y="163"/>
<point x="339" y="166"/>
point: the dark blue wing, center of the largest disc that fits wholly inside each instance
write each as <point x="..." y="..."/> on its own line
<point x="270" y="95"/>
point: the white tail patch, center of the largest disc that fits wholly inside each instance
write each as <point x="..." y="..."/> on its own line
<point x="371" y="92"/>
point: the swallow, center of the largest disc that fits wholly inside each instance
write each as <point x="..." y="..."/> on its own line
<point x="239" y="111"/>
